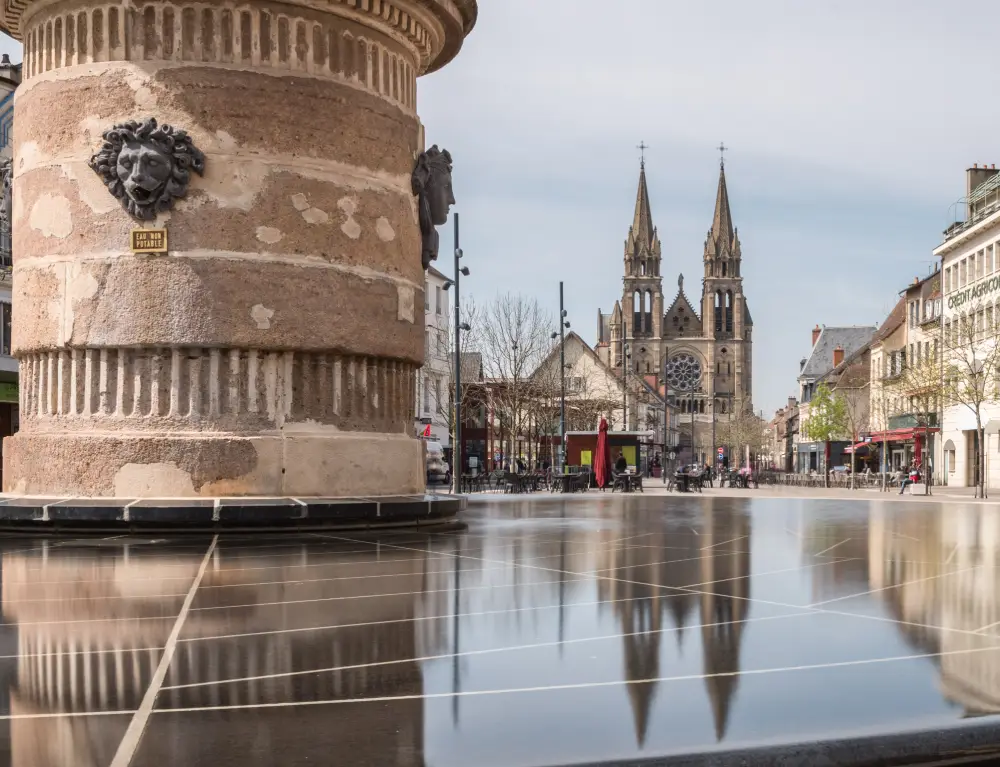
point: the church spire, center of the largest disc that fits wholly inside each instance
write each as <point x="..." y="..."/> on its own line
<point x="642" y="221"/>
<point x="722" y="221"/>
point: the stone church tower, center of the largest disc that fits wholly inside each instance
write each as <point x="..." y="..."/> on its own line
<point x="703" y="351"/>
<point x="724" y="314"/>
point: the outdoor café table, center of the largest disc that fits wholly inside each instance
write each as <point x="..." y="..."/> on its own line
<point x="624" y="481"/>
<point x="561" y="482"/>
<point x="683" y="481"/>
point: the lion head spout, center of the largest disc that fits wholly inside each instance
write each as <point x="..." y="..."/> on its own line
<point x="147" y="166"/>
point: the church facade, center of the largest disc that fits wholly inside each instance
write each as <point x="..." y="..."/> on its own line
<point x="700" y="351"/>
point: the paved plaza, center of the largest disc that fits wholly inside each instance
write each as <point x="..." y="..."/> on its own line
<point x="542" y="630"/>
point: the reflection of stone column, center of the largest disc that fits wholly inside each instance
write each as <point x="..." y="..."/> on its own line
<point x="90" y="624"/>
<point x="273" y="349"/>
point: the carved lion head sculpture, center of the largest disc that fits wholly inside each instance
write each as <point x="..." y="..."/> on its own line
<point x="147" y="166"/>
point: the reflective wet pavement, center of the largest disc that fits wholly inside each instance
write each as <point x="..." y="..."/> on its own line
<point x="549" y="631"/>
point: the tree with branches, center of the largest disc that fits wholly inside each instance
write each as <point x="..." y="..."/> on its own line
<point x="826" y="421"/>
<point x="471" y="391"/>
<point x="513" y="340"/>
<point x="852" y="391"/>
<point x="971" y="358"/>
<point x="883" y="405"/>
<point x="919" y="387"/>
<point x="742" y="429"/>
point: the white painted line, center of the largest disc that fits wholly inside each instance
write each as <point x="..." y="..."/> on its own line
<point x="894" y="586"/>
<point x="585" y="574"/>
<point x="831" y="548"/>
<point x="693" y="530"/>
<point x="575" y="686"/>
<point x="418" y="618"/>
<point x="769" y="572"/>
<point x="723" y="543"/>
<point x="987" y="627"/>
<point x="130" y="741"/>
<point x="951" y="556"/>
<point x="629" y="538"/>
<point x="492" y="586"/>
<point x="488" y="651"/>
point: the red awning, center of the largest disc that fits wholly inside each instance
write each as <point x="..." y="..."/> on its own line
<point x="902" y="435"/>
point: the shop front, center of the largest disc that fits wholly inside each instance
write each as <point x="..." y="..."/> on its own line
<point x="895" y="449"/>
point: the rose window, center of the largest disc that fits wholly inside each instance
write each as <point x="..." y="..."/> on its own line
<point x="683" y="372"/>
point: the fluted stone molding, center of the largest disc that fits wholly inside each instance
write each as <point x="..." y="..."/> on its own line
<point x="274" y="349"/>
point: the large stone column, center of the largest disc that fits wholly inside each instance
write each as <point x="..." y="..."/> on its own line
<point x="273" y="350"/>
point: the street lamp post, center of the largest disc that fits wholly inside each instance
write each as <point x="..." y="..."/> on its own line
<point x="666" y="417"/>
<point x="514" y="414"/>
<point x="563" y="324"/>
<point x="456" y="453"/>
<point x="626" y="356"/>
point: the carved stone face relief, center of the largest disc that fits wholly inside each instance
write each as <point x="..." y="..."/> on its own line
<point x="6" y="186"/>
<point x="147" y="166"/>
<point x="431" y="182"/>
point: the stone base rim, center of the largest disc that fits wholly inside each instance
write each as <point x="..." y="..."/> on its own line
<point x="51" y="515"/>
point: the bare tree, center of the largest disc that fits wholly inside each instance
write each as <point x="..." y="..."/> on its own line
<point x="853" y="389"/>
<point x="471" y="393"/>
<point x="742" y="429"/>
<point x="882" y="407"/>
<point x="513" y="340"/>
<point x="971" y="359"/>
<point x="920" y="388"/>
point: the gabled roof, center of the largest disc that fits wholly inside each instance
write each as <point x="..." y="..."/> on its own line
<point x="851" y="367"/>
<point x="850" y="338"/>
<point x="681" y="300"/>
<point x="896" y="318"/>
<point x="435" y="273"/>
<point x="572" y="337"/>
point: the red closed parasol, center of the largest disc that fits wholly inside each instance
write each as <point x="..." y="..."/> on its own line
<point x="602" y="457"/>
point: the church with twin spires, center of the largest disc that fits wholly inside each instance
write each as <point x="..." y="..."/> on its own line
<point x="701" y="350"/>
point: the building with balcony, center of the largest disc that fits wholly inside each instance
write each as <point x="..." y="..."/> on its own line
<point x="970" y="270"/>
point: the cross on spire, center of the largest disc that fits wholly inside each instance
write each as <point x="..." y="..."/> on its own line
<point x="643" y="146"/>
<point x="722" y="158"/>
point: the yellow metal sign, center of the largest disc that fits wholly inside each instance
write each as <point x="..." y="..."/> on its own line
<point x="149" y="241"/>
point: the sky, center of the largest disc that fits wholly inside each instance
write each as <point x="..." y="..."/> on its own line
<point x="850" y="125"/>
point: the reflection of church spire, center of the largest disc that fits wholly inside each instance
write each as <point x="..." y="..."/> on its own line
<point x="727" y="567"/>
<point x="639" y="573"/>
<point x="642" y="659"/>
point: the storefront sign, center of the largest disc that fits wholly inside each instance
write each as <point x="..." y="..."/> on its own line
<point x="983" y="288"/>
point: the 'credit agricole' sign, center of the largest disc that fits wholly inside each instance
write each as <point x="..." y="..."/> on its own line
<point x="983" y="288"/>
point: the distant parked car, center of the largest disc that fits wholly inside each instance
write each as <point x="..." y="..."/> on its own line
<point x="437" y="467"/>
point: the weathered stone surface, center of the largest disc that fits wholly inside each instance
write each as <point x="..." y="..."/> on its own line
<point x="180" y="301"/>
<point x="327" y="221"/>
<point x="158" y="465"/>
